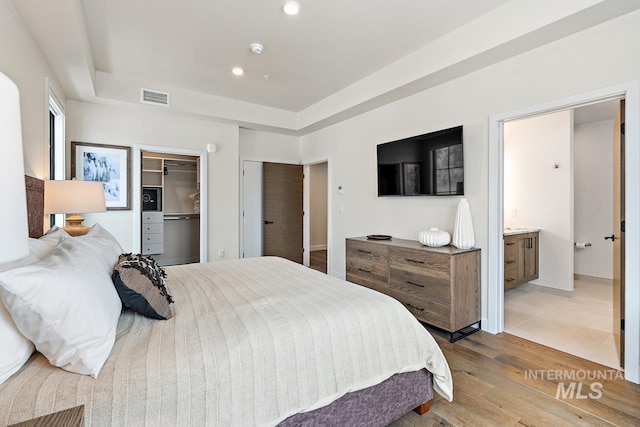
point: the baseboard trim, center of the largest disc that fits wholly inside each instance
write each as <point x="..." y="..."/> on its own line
<point x="547" y="290"/>
<point x="338" y="275"/>
<point x="602" y="280"/>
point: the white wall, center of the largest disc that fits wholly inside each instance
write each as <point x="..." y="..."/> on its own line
<point x="540" y="195"/>
<point x="128" y="126"/>
<point x="318" y="206"/>
<point x="268" y="147"/>
<point x="23" y="63"/>
<point x="579" y="63"/>
<point x="593" y="159"/>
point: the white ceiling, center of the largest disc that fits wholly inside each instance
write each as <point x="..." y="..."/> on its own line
<point x="329" y="45"/>
<point x="595" y="112"/>
<point x="333" y="61"/>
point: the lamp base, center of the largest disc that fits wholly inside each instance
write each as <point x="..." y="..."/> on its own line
<point x="74" y="226"/>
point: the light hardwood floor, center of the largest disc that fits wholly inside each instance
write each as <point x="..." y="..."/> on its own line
<point x="491" y="389"/>
<point x="318" y="260"/>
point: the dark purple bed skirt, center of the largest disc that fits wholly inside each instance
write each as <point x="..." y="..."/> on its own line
<point x="377" y="405"/>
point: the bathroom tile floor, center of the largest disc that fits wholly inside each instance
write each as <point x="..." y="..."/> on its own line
<point x="582" y="325"/>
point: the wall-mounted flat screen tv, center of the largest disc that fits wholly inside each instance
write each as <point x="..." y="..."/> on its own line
<point x="423" y="165"/>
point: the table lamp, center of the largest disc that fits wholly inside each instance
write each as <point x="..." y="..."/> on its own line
<point x="13" y="220"/>
<point x="73" y="197"/>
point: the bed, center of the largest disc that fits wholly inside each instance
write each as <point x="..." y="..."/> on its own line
<point x="260" y="341"/>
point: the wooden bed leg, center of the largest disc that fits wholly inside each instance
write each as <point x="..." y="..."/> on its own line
<point x="422" y="409"/>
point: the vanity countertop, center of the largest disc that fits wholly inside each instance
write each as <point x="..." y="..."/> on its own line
<point x="520" y="230"/>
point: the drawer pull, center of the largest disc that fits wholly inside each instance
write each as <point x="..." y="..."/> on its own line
<point x="415" y="284"/>
<point x="366" y="271"/>
<point x="510" y="243"/>
<point x="509" y="262"/>
<point x="364" y="252"/>
<point x="511" y="279"/>
<point x="414" y="307"/>
<point x="415" y="260"/>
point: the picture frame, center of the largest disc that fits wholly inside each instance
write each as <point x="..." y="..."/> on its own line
<point x="109" y="164"/>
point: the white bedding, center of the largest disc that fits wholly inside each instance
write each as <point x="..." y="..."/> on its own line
<point x="252" y="342"/>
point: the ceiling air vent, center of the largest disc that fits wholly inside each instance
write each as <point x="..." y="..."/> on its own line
<point x="154" y="97"/>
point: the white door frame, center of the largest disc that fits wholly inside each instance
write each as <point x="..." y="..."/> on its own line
<point x="243" y="207"/>
<point x="495" y="304"/>
<point x="253" y="159"/>
<point x="306" y="223"/>
<point x="137" y="185"/>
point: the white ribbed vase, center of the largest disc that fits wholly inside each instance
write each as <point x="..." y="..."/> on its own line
<point x="463" y="234"/>
<point x="434" y="237"/>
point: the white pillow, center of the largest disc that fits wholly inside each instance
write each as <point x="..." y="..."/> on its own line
<point x="16" y="349"/>
<point x="102" y="243"/>
<point x="66" y="305"/>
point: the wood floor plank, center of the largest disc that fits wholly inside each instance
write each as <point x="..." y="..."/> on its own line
<point x="495" y="384"/>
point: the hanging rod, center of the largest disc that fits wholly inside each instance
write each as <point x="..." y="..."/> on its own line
<point x="178" y="163"/>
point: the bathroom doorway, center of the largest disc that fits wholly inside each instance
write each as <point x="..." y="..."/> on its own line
<point x="316" y="189"/>
<point x="559" y="181"/>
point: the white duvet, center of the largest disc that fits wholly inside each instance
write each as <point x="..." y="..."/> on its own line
<point x="289" y="339"/>
<point x="252" y="342"/>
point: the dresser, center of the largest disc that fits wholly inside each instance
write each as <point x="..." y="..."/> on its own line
<point x="439" y="286"/>
<point x="152" y="233"/>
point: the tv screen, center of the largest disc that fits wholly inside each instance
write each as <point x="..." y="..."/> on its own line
<point x="423" y="165"/>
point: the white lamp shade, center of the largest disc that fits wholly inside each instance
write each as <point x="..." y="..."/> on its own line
<point x="73" y="197"/>
<point x="13" y="217"/>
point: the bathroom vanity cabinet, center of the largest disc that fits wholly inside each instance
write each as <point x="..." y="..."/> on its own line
<point x="520" y="258"/>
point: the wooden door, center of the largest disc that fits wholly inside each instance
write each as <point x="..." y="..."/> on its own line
<point x="617" y="236"/>
<point x="282" y="211"/>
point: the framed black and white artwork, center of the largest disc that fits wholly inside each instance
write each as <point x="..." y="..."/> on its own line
<point x="109" y="164"/>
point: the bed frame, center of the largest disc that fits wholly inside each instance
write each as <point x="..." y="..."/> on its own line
<point x="377" y="405"/>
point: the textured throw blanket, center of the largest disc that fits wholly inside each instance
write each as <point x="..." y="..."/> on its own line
<point x="251" y="342"/>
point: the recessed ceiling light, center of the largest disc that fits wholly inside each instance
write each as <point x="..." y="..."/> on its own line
<point x="237" y="71"/>
<point x="291" y="8"/>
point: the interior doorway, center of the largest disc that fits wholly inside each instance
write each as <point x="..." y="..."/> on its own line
<point x="316" y="215"/>
<point x="272" y="210"/>
<point x="559" y="179"/>
<point x="315" y="198"/>
<point x="630" y="91"/>
<point x="176" y="180"/>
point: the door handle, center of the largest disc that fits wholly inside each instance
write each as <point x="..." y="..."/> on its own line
<point x="268" y="222"/>
<point x="612" y="237"/>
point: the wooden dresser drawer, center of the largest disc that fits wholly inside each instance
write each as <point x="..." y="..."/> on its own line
<point x="367" y="252"/>
<point x="362" y="271"/>
<point x="371" y="284"/>
<point x="430" y="312"/>
<point x="428" y="263"/>
<point x="420" y="285"/>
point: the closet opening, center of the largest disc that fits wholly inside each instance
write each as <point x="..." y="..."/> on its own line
<point x="170" y="207"/>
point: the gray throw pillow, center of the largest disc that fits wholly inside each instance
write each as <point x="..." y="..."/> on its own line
<point x="140" y="283"/>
